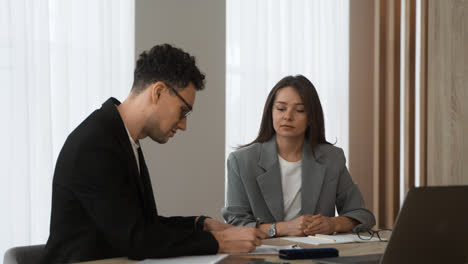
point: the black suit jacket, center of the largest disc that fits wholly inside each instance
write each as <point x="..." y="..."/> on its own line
<point x="101" y="210"/>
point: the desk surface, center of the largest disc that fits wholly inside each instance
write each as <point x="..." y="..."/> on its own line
<point x="349" y="249"/>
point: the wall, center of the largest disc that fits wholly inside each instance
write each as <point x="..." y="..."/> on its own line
<point x="444" y="152"/>
<point x="447" y="91"/>
<point x="361" y="97"/>
<point x="188" y="172"/>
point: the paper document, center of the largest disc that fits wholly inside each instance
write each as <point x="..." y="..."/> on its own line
<point x="267" y="249"/>
<point x="205" y="259"/>
<point x="332" y="239"/>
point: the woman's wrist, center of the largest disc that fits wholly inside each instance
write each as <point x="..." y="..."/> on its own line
<point x="281" y="229"/>
<point x="343" y="224"/>
<point x="335" y="224"/>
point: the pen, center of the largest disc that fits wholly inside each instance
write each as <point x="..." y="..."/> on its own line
<point x="323" y="238"/>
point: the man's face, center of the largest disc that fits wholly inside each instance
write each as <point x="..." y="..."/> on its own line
<point x="168" y="113"/>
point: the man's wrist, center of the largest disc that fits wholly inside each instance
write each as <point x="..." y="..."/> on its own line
<point x="264" y="228"/>
<point x="200" y="222"/>
<point x="219" y="236"/>
<point x="280" y="229"/>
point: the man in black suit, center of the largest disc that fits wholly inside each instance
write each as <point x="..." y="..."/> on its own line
<point x="102" y="200"/>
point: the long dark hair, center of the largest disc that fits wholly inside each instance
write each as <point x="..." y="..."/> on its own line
<point x="315" y="132"/>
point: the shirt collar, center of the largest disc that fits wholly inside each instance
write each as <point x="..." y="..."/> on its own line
<point x="135" y="145"/>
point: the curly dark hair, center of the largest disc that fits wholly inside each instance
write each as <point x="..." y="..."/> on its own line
<point x="168" y="64"/>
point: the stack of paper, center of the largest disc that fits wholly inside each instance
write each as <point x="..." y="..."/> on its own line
<point x="325" y="239"/>
<point x="206" y="259"/>
<point x="212" y="259"/>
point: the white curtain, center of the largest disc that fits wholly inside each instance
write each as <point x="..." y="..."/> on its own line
<point x="59" y="60"/>
<point x="269" y="39"/>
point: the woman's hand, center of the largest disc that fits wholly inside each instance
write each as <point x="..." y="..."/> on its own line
<point x="306" y="225"/>
<point x="327" y="225"/>
<point x="295" y="227"/>
<point x="321" y="225"/>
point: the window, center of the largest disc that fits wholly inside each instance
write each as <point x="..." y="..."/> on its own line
<point x="59" y="60"/>
<point x="267" y="40"/>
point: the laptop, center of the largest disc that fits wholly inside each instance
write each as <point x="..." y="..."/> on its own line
<point x="432" y="227"/>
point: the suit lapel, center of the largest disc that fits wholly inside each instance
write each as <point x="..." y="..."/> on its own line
<point x="145" y="192"/>
<point x="313" y="174"/>
<point x="147" y="188"/>
<point x="270" y="181"/>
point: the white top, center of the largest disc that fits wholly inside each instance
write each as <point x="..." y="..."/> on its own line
<point x="291" y="183"/>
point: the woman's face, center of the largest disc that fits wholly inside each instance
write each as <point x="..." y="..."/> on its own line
<point x="289" y="116"/>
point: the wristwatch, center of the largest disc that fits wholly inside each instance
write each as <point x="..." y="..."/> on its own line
<point x="272" y="230"/>
<point x="200" y="223"/>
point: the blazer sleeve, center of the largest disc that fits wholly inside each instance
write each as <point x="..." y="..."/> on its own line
<point x="103" y="188"/>
<point x="237" y="210"/>
<point x="349" y="201"/>
<point x="178" y="221"/>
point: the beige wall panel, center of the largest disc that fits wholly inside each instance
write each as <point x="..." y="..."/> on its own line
<point x="188" y="172"/>
<point x="447" y="143"/>
<point x="386" y="159"/>
<point x="361" y="65"/>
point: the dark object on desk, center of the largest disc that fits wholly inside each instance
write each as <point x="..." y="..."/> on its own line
<point x="267" y="262"/>
<point x="430" y="228"/>
<point x="308" y="253"/>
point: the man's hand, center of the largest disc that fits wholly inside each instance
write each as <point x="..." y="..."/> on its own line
<point x="215" y="225"/>
<point x="241" y="239"/>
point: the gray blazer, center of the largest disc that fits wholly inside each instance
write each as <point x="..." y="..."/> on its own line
<point x="254" y="186"/>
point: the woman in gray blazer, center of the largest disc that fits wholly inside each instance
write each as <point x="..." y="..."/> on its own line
<point x="288" y="181"/>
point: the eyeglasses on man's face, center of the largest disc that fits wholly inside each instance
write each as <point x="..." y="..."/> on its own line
<point x="381" y="234"/>
<point x="183" y="112"/>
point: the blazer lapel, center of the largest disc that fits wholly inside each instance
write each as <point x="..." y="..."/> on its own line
<point x="147" y="201"/>
<point x="313" y="174"/>
<point x="270" y="181"/>
<point x="147" y="188"/>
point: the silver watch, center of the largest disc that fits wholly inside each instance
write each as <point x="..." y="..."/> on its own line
<point x="272" y="230"/>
